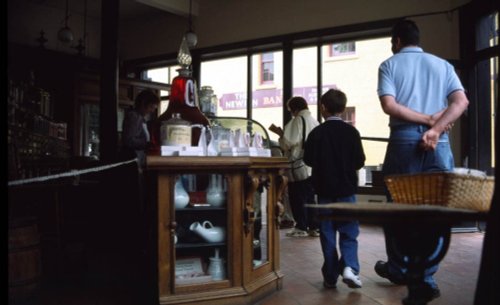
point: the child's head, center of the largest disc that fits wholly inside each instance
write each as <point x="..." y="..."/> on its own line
<point x="333" y="102"/>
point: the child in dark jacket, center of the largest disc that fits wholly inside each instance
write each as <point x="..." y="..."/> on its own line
<point x="334" y="151"/>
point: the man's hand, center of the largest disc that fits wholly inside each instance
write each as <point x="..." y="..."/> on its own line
<point x="429" y="140"/>
<point x="448" y="127"/>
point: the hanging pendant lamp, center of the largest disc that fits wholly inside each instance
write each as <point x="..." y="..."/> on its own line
<point x="65" y="35"/>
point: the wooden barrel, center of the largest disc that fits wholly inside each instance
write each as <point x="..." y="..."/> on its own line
<point x="24" y="259"/>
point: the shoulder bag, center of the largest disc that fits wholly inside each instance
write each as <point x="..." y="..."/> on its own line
<point x="298" y="167"/>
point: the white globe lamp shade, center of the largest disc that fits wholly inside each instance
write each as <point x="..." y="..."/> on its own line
<point x="65" y="35"/>
<point x="191" y="39"/>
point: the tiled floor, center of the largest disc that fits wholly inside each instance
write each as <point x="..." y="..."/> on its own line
<point x="301" y="260"/>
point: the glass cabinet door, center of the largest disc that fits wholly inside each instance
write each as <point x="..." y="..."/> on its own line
<point x="89" y="133"/>
<point x="200" y="236"/>
<point x="260" y="229"/>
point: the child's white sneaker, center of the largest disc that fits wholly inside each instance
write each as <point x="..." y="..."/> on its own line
<point x="352" y="280"/>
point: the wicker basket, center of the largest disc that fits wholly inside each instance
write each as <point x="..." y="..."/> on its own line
<point x="440" y="188"/>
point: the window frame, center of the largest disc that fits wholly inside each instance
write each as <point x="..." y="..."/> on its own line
<point x="478" y="147"/>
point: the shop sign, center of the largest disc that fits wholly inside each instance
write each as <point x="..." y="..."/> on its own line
<point x="267" y="98"/>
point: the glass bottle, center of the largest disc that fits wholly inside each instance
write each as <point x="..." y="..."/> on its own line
<point x="175" y="131"/>
<point x="32" y="96"/>
<point x="213" y="105"/>
<point x="183" y="100"/>
<point x="206" y="94"/>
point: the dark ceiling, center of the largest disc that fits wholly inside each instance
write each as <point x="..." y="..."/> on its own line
<point x="129" y="9"/>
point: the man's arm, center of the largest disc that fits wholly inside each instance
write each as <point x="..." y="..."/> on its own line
<point x="457" y="102"/>
<point x="392" y="108"/>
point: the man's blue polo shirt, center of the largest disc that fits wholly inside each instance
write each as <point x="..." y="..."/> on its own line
<point x="417" y="80"/>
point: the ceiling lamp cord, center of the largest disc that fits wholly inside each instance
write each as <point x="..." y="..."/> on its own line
<point x="190" y="20"/>
<point x="82" y="42"/>
<point x="190" y="35"/>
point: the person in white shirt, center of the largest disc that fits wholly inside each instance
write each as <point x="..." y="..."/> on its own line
<point x="300" y="191"/>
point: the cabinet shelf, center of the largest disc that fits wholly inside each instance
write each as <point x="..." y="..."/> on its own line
<point x="198" y="245"/>
<point x="200" y="208"/>
<point x="199" y="280"/>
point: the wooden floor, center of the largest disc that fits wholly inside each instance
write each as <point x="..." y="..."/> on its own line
<point x="301" y="260"/>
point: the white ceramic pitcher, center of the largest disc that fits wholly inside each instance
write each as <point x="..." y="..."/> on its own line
<point x="208" y="232"/>
<point x="216" y="268"/>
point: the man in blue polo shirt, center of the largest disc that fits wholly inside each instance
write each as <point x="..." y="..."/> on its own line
<point x="423" y="96"/>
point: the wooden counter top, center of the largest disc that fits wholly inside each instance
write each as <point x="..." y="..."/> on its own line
<point x="397" y="213"/>
<point x="211" y="163"/>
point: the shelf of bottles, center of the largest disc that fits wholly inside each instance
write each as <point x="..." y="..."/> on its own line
<point x="37" y="145"/>
<point x="200" y="234"/>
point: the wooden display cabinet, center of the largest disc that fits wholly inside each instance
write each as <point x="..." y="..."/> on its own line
<point x="250" y="249"/>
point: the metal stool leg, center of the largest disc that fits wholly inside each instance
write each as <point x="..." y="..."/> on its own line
<point x="417" y="247"/>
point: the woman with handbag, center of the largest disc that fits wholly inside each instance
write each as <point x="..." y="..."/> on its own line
<point x="300" y="191"/>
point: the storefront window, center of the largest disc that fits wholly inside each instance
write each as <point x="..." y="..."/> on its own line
<point x="485" y="86"/>
<point x="305" y="76"/>
<point x="487" y="32"/>
<point x="357" y="78"/>
<point x="493" y="103"/>
<point x="162" y="75"/>
<point x="267" y="97"/>
<point x="228" y="79"/>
